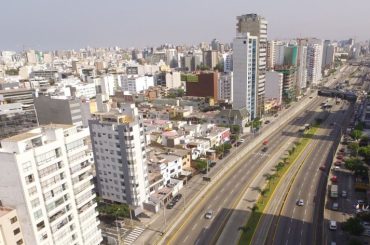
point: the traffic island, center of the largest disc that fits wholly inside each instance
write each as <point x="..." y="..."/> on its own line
<point x="272" y="182"/>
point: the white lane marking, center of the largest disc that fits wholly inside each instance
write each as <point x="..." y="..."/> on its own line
<point x="186" y="238"/>
<point x="289" y="230"/>
<point x="194" y="226"/>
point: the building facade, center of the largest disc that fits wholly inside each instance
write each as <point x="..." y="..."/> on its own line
<point x="225" y="86"/>
<point x="119" y="151"/>
<point x="10" y="230"/>
<point x="60" y="111"/>
<point x="256" y="26"/>
<point x="46" y="176"/>
<point x="245" y="76"/>
<point x="274" y="86"/>
<point x="204" y="85"/>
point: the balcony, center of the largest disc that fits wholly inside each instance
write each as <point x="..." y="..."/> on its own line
<point x="57" y="215"/>
<point x="80" y="169"/>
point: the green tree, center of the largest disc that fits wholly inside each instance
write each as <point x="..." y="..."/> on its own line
<point x="200" y="164"/>
<point x="365" y="152"/>
<point x="219" y="67"/>
<point x="354" y="241"/>
<point x="352" y="163"/>
<point x="356" y="134"/>
<point x="354" y="147"/>
<point x="256" y="123"/>
<point x="360" y="126"/>
<point x="353" y="226"/>
<point x="113" y="210"/>
<point x="227" y="146"/>
<point x="235" y="129"/>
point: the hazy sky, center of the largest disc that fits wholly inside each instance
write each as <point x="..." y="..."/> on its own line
<point x="64" y="24"/>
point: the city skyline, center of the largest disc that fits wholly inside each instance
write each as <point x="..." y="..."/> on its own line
<point x="43" y="25"/>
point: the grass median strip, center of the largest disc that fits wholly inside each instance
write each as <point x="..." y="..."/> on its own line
<point x="272" y="182"/>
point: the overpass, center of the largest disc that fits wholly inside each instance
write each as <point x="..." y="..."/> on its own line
<point x="326" y="92"/>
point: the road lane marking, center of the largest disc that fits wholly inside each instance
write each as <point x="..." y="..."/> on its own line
<point x="194" y="226"/>
<point x="186" y="238"/>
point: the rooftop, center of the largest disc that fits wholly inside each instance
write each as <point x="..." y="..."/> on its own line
<point x="4" y="210"/>
<point x="22" y="136"/>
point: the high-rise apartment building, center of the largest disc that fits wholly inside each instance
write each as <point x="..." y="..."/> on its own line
<point x="210" y="58"/>
<point x="225" y="86"/>
<point x="59" y="111"/>
<point x="119" y="152"/>
<point x="256" y="26"/>
<point x="314" y="60"/>
<point x="328" y="55"/>
<point x="46" y="176"/>
<point x="245" y="79"/>
<point x="301" y="67"/>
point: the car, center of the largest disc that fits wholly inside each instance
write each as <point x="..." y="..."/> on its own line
<point x="170" y="205"/>
<point x="332" y="225"/>
<point x="212" y="164"/>
<point x="267" y="121"/>
<point x="208" y="214"/>
<point x="342" y="150"/>
<point x="265" y="142"/>
<point x="360" y="202"/>
<point x="177" y="197"/>
<point x="344" y="193"/>
<point x="300" y="202"/>
<point x="322" y="168"/>
<point x="336" y="168"/>
<point x="335" y="206"/>
<point x="310" y="97"/>
<point x="334" y="179"/>
<point x="276" y="115"/>
<point x="241" y="141"/>
<point x="340" y="157"/>
<point x="264" y="149"/>
<point x="338" y="163"/>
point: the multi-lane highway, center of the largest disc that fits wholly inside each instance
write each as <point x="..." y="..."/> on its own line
<point x="225" y="193"/>
<point x="295" y="224"/>
<point x="298" y="224"/>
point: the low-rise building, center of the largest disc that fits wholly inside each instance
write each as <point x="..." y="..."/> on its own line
<point x="10" y="229"/>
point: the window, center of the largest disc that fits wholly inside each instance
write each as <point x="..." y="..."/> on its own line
<point x="32" y="191"/>
<point x="29" y="179"/>
<point x="37" y="214"/>
<point x="13" y="220"/>
<point x="27" y="166"/>
<point x="16" y="231"/>
<point x="35" y="202"/>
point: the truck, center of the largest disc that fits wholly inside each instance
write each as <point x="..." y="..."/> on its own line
<point x="334" y="191"/>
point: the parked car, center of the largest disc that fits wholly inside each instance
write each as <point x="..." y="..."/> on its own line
<point x="170" y="205"/>
<point x="264" y="149"/>
<point x="322" y="168"/>
<point x="177" y="197"/>
<point x="338" y="163"/>
<point x="267" y="121"/>
<point x="334" y="179"/>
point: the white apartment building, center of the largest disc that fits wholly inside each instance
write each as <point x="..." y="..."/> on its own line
<point x="46" y="176"/>
<point x="314" y="61"/>
<point x="225" y="86"/>
<point x="119" y="151"/>
<point x="10" y="230"/>
<point x="135" y="84"/>
<point x="274" y="86"/>
<point x="256" y="25"/>
<point x="245" y="74"/>
<point x="302" y="67"/>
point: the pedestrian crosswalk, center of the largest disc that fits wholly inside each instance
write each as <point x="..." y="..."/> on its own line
<point x="133" y="235"/>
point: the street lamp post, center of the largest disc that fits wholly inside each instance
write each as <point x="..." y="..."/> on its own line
<point x="117" y="229"/>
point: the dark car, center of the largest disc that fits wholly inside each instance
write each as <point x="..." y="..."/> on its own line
<point x="177" y="197"/>
<point x="264" y="149"/>
<point x="212" y="164"/>
<point x="170" y="205"/>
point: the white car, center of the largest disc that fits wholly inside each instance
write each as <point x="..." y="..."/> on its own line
<point x="209" y="214"/>
<point x="300" y="202"/>
<point x="332" y="225"/>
